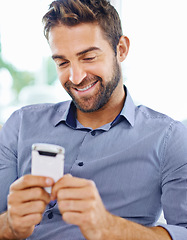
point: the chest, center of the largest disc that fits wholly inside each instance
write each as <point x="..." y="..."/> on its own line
<point x="124" y="166"/>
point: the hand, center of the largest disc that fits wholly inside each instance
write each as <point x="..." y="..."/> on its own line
<point x="27" y="201"/>
<point x="79" y="203"/>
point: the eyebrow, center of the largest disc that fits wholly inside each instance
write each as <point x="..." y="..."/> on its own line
<point x="90" y="49"/>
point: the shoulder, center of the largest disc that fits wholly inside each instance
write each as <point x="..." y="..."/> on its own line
<point x="45" y="107"/>
<point x="149" y="113"/>
<point x="45" y="110"/>
<point x="154" y="120"/>
<point x="36" y="113"/>
<point x="149" y="116"/>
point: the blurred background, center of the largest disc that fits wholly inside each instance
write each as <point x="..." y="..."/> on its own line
<point x="155" y="70"/>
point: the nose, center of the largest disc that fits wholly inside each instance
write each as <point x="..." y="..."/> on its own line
<point x="77" y="74"/>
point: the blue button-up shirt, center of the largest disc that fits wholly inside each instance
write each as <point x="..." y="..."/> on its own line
<point x="138" y="162"/>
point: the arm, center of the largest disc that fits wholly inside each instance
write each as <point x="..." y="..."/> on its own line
<point x="27" y="201"/>
<point x="174" y="181"/>
<point x="5" y="230"/>
<point x="80" y="204"/>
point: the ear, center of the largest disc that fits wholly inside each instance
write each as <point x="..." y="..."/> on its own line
<point x="123" y="48"/>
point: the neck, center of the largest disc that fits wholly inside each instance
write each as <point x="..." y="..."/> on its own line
<point x="104" y="115"/>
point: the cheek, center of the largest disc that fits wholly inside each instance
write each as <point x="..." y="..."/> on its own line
<point x="98" y="70"/>
<point x="104" y="72"/>
<point x="105" y="69"/>
<point x="62" y="76"/>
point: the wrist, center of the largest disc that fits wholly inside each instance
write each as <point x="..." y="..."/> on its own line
<point x="7" y="231"/>
<point x="115" y="228"/>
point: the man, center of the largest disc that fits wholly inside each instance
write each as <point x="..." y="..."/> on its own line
<point x="123" y="163"/>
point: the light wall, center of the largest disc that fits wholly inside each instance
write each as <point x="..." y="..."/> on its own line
<point x="155" y="69"/>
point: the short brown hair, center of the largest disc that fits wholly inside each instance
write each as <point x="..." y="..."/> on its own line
<point x="74" y="12"/>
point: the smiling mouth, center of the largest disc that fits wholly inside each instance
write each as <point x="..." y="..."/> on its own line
<point x="86" y="88"/>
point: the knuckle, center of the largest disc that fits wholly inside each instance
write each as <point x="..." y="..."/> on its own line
<point x="12" y="210"/>
<point x="69" y="217"/>
<point x="91" y="187"/>
<point x="65" y="216"/>
<point x="60" y="194"/>
<point x="60" y="206"/>
<point x="10" y="198"/>
<point x="25" y="180"/>
<point x="37" y="218"/>
<point x="91" y="183"/>
<point x="70" y="205"/>
<point x="39" y="192"/>
<point x="11" y="187"/>
<point x="64" y="205"/>
<point x="40" y="205"/>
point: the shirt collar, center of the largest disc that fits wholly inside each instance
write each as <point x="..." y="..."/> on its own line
<point x="65" y="112"/>
<point x="128" y="111"/>
<point x="68" y="114"/>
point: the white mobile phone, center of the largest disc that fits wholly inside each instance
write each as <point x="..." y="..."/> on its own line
<point x="48" y="160"/>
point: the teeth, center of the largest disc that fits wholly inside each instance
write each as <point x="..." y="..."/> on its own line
<point x="86" y="88"/>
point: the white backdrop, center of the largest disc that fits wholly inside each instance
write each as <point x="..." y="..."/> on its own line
<point x="156" y="68"/>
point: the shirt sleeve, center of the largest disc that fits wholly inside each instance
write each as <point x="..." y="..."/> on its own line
<point x="174" y="181"/>
<point x="8" y="157"/>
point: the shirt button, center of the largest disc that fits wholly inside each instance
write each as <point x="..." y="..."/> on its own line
<point x="93" y="133"/>
<point x="50" y="215"/>
<point x="81" y="164"/>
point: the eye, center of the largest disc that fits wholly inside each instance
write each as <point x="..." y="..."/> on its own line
<point x="89" y="59"/>
<point x="62" y="64"/>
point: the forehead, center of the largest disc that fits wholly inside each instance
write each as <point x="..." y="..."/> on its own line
<point x="71" y="40"/>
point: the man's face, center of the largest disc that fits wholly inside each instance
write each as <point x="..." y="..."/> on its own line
<point x="86" y="65"/>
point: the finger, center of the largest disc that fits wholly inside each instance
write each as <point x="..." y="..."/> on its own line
<point x="26" y="221"/>
<point x="26" y="195"/>
<point x="69" y="182"/>
<point x="76" y="206"/>
<point x="87" y="192"/>
<point x="32" y="219"/>
<point x="28" y="208"/>
<point x="29" y="181"/>
<point x="75" y="218"/>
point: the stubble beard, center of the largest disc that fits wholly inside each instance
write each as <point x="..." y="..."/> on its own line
<point x="99" y="100"/>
